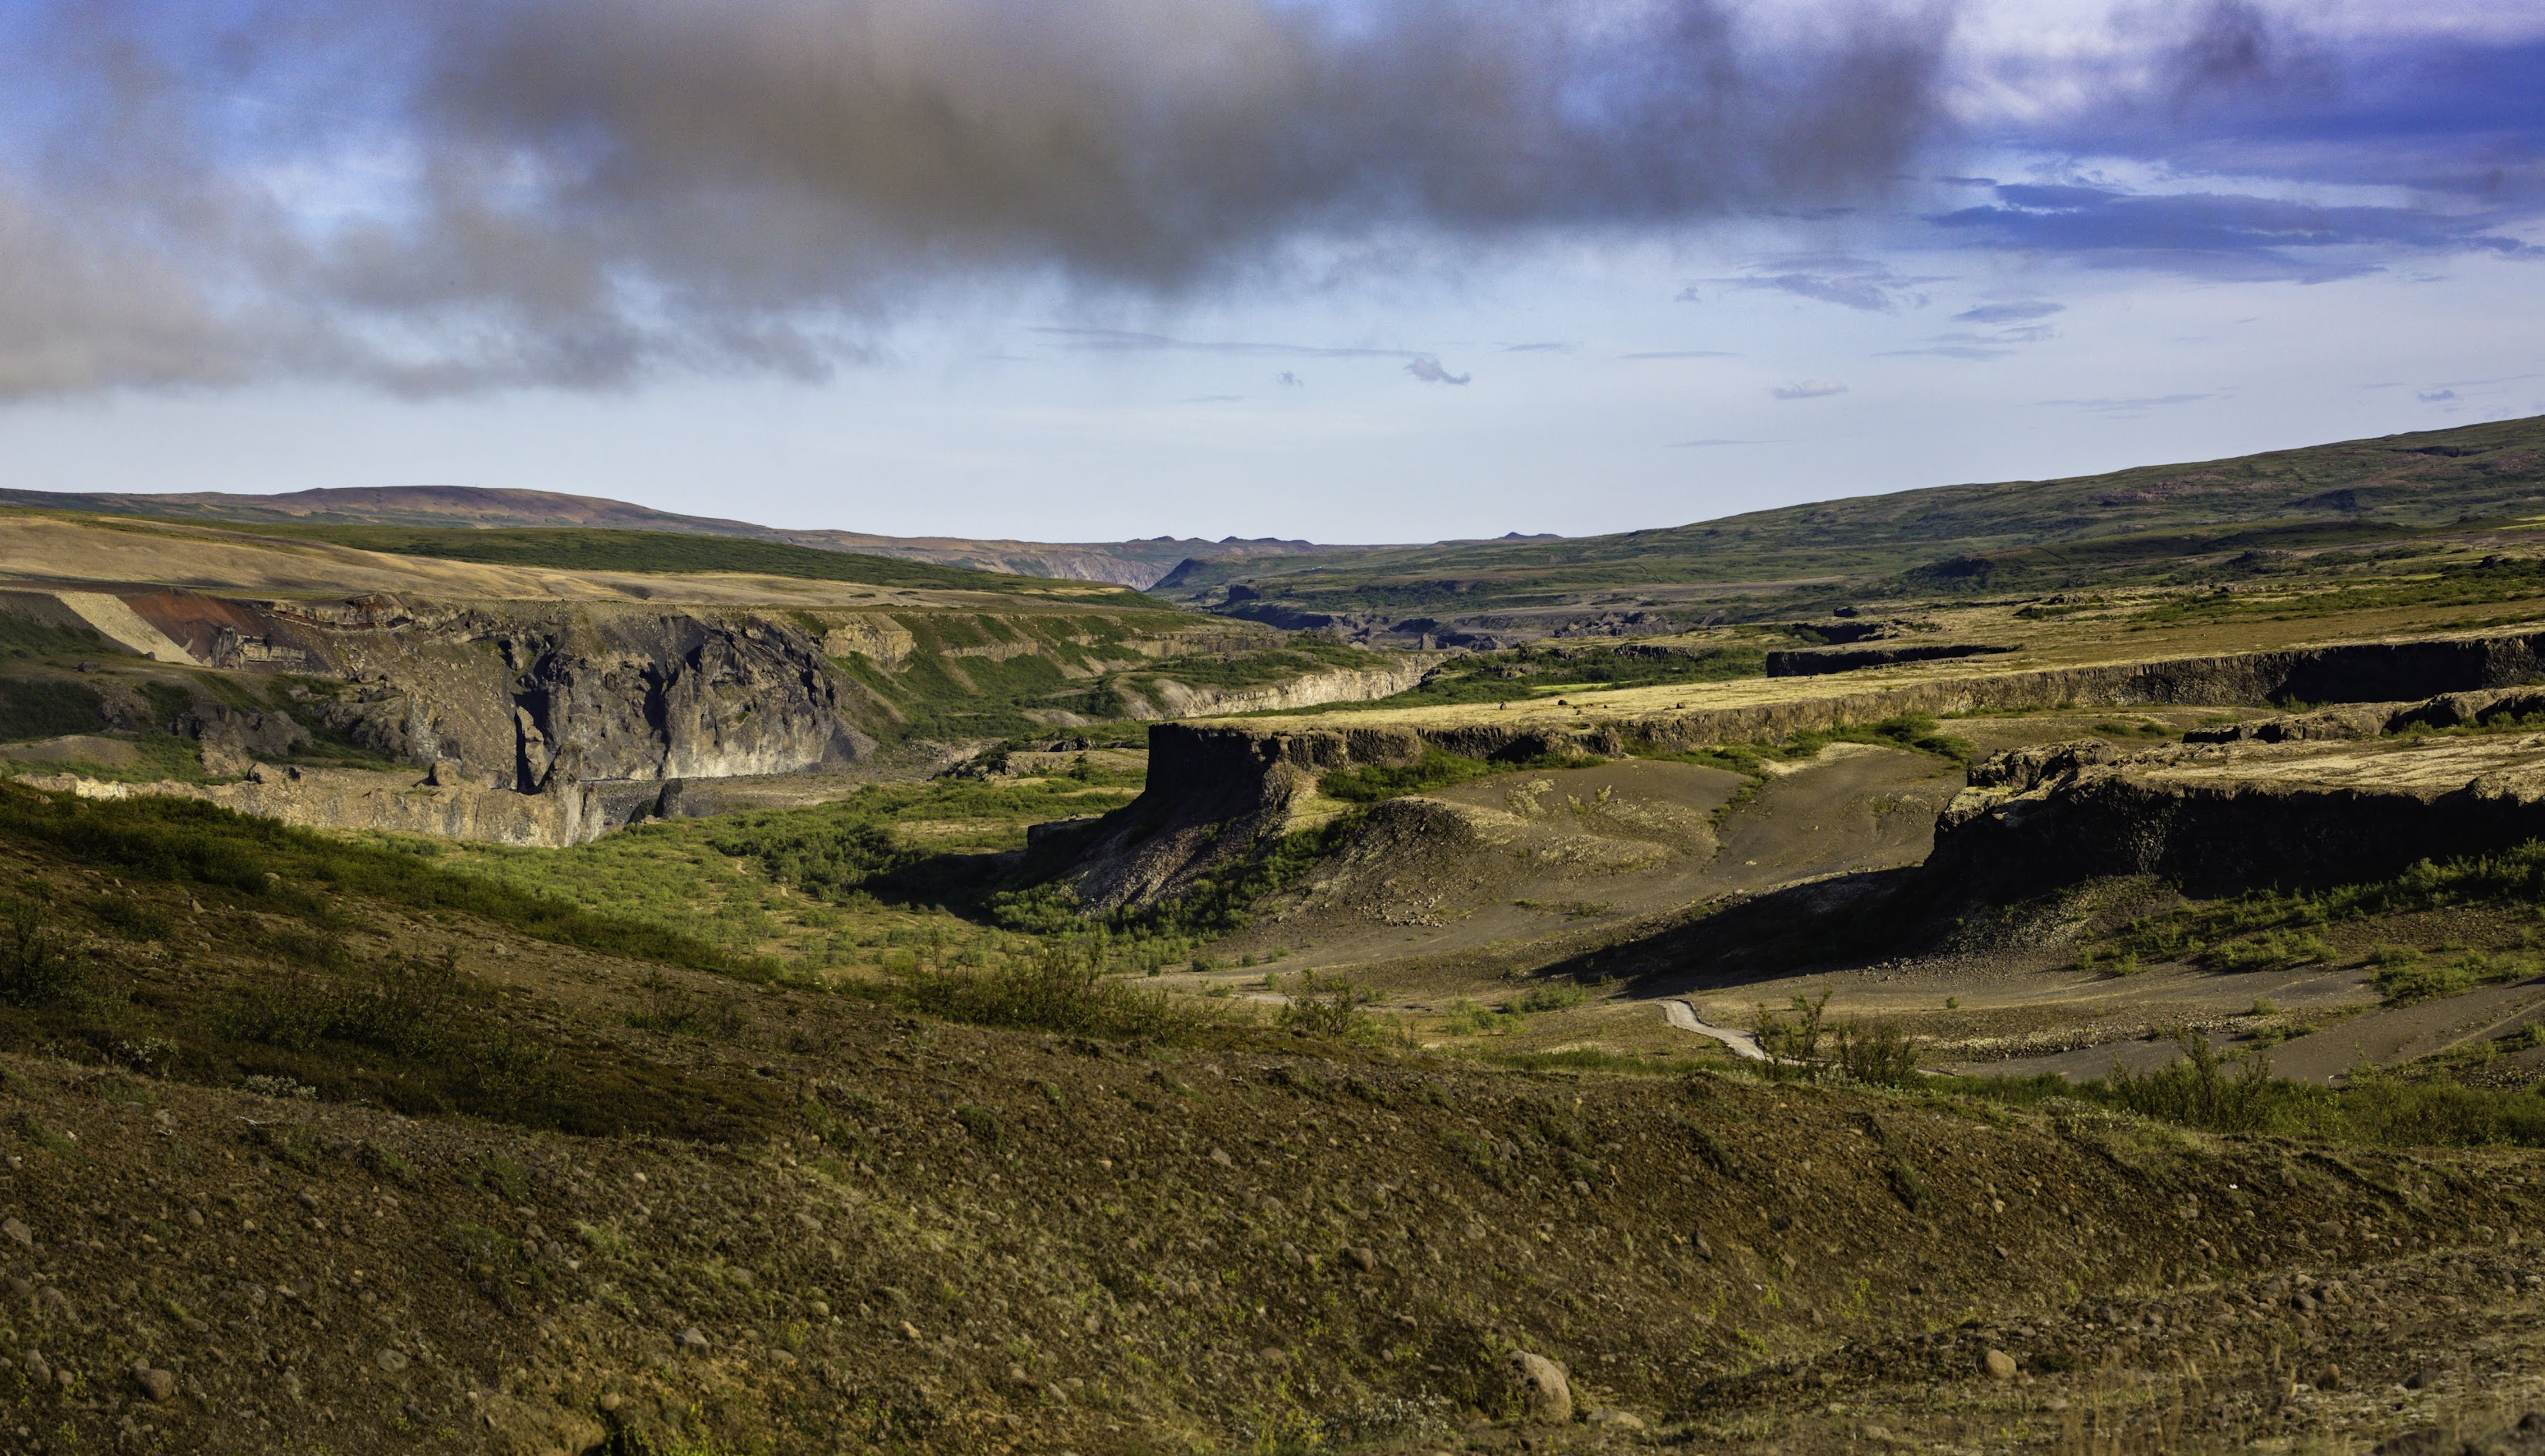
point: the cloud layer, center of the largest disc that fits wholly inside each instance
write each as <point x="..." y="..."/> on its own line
<point x="445" y="196"/>
<point x="461" y="194"/>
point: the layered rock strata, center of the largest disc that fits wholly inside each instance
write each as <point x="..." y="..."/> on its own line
<point x="1216" y="792"/>
<point x="2257" y="812"/>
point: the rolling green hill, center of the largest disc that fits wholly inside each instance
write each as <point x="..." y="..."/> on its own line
<point x="587" y="549"/>
<point x="2139" y="524"/>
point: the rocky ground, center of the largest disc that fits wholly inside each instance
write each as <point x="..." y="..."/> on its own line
<point x="1017" y="1243"/>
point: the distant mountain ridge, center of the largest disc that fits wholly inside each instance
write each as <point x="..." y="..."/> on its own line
<point x="1138" y="564"/>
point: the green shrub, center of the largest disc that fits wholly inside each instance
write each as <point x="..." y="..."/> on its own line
<point x="1058" y="988"/>
<point x="40" y="964"/>
<point x="1877" y="1054"/>
<point x="44" y="707"/>
<point x="2197" y="1091"/>
<point x="1795" y="1046"/>
<point x="1334" y="1010"/>
<point x="2409" y="981"/>
<point x="133" y="919"/>
<point x="1554" y="995"/>
<point x="2272" y="950"/>
<point x="1436" y="770"/>
<point x="404" y="1005"/>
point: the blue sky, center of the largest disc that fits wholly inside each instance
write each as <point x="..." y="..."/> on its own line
<point x="1379" y="271"/>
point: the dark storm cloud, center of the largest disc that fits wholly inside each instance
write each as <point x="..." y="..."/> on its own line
<point x="2232" y="90"/>
<point x="472" y="193"/>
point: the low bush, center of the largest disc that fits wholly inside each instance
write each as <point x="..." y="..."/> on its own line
<point x="405" y="1005"/>
<point x="1436" y="770"/>
<point x="39" y="963"/>
<point x="1332" y="1010"/>
<point x="1057" y="989"/>
<point x="2272" y="950"/>
<point x="1877" y="1054"/>
<point x="2515" y="876"/>
<point x="2217" y="1094"/>
<point x="42" y="707"/>
<point x="1553" y="996"/>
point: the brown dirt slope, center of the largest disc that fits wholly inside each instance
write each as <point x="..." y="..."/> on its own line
<point x="678" y="1212"/>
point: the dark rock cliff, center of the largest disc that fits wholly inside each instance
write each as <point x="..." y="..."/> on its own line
<point x="1215" y="791"/>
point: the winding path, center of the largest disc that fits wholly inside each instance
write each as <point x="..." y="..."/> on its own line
<point x="1683" y="1014"/>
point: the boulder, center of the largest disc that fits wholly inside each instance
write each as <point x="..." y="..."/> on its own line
<point x="1545" y="1396"/>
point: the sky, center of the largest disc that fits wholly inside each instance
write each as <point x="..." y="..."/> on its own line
<point x="1342" y="270"/>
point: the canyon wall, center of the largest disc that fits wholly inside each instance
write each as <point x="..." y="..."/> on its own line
<point x="1215" y="791"/>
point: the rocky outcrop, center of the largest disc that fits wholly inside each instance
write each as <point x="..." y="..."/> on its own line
<point x="2286" y="811"/>
<point x="232" y="739"/>
<point x="1807" y="662"/>
<point x="1213" y="795"/>
<point x="1169" y="699"/>
<point x="524" y="695"/>
<point x="1215" y="791"/>
<point x="439" y="804"/>
<point x="2374" y="720"/>
<point x="879" y="639"/>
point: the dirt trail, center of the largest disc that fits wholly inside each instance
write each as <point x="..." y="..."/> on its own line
<point x="1683" y="1016"/>
<point x="2384" y="1039"/>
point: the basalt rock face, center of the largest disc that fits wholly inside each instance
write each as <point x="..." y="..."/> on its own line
<point x="1809" y="662"/>
<point x="2219" y="818"/>
<point x="1215" y="791"/>
<point x="1213" y="795"/>
<point x="1172" y="700"/>
<point x="520" y="696"/>
<point x="589" y="709"/>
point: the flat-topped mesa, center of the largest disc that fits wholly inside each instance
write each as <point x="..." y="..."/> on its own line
<point x="2313" y="799"/>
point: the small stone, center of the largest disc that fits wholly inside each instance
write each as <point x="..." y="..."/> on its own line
<point x="1220" y="1157"/>
<point x="2000" y="1365"/>
<point x="157" y="1384"/>
<point x="1617" y="1421"/>
<point x="19" y="1233"/>
<point x="39" y="1370"/>
<point x="910" y="1331"/>
<point x="611" y="1401"/>
<point x="392" y="1360"/>
<point x="692" y="1337"/>
<point x="1543" y="1391"/>
<point x="1581" y="1189"/>
<point x="1362" y="1258"/>
<point x="821" y="1309"/>
<point x="1018" y="1377"/>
